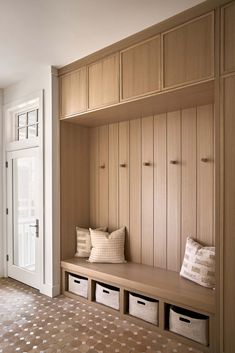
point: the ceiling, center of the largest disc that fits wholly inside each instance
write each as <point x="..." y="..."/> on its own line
<point x="34" y="33"/>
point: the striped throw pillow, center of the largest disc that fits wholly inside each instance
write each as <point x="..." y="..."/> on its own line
<point x="199" y="264"/>
<point x="107" y="248"/>
<point x="84" y="241"/>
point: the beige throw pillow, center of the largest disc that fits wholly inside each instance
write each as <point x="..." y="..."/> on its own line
<point x="84" y="241"/>
<point x="199" y="264"/>
<point x="107" y="248"/>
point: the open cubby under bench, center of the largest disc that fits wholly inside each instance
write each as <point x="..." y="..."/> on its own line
<point x="167" y="287"/>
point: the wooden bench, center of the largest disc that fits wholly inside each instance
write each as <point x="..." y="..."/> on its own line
<point x="165" y="286"/>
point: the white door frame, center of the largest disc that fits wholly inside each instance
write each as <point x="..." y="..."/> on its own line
<point x="33" y="101"/>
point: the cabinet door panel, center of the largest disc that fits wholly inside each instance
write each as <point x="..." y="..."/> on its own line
<point x="73" y="93"/>
<point x="103" y="176"/>
<point x="188" y="52"/>
<point x="147" y="191"/>
<point x="205" y="174"/>
<point x="173" y="190"/>
<point x="228" y="38"/>
<point x="103" y="81"/>
<point x="141" y="69"/>
<point x="135" y="190"/>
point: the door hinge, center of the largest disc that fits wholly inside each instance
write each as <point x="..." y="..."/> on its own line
<point x="7" y="257"/>
<point x="6" y="164"/>
<point x="7" y="211"/>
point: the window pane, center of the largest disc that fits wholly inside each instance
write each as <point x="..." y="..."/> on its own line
<point x="32" y="117"/>
<point x="25" y="201"/>
<point x="32" y="131"/>
<point x="22" y="120"/>
<point x="22" y="133"/>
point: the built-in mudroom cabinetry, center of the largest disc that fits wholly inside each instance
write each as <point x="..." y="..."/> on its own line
<point x="147" y="142"/>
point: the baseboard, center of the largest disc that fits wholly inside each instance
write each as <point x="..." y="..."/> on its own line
<point x="50" y="291"/>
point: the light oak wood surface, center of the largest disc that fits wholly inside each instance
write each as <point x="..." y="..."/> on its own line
<point x="158" y="103"/>
<point x="103" y="175"/>
<point x="205" y="174"/>
<point x="103" y="82"/>
<point x="135" y="191"/>
<point x="160" y="191"/>
<point x="188" y="52"/>
<point x="173" y="190"/>
<point x="140" y="69"/>
<point x="228" y="38"/>
<point x="147" y="191"/>
<point x="162" y="203"/>
<point x="228" y="303"/>
<point x="113" y="177"/>
<point x="74" y="193"/>
<point x="94" y="177"/>
<point x="189" y="176"/>
<point x="73" y="93"/>
<point x="146" y="279"/>
<point x="124" y="181"/>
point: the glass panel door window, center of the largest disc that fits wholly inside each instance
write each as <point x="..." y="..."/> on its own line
<point x="25" y="211"/>
<point x="24" y="220"/>
<point x="27" y="125"/>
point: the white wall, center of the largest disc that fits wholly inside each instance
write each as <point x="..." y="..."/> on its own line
<point x="43" y="79"/>
<point x="1" y="189"/>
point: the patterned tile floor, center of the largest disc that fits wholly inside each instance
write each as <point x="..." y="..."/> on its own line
<point x="31" y="322"/>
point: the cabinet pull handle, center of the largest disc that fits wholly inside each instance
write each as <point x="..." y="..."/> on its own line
<point x="123" y="165"/>
<point x="173" y="162"/>
<point x="146" y="164"/>
<point x="102" y="166"/>
<point x="205" y="160"/>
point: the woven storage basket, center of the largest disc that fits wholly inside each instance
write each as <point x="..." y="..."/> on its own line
<point x="78" y="285"/>
<point x="189" y="324"/>
<point x="143" y="308"/>
<point x="107" y="295"/>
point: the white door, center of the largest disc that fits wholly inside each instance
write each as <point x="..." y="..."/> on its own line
<point x="24" y="207"/>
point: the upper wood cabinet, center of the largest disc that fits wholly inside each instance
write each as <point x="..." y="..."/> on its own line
<point x="103" y="81"/>
<point x="140" y="69"/>
<point x="188" y="52"/>
<point x="73" y="93"/>
<point x="228" y="38"/>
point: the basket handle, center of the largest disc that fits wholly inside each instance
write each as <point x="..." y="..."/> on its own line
<point x="76" y="281"/>
<point x="184" y="320"/>
<point x="105" y="291"/>
<point x="139" y="302"/>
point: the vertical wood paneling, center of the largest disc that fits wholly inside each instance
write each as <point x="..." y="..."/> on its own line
<point x="103" y="176"/>
<point x="160" y="190"/>
<point x="94" y="177"/>
<point x="147" y="191"/>
<point x="135" y="190"/>
<point x="229" y="215"/>
<point x="205" y="174"/>
<point x="189" y="177"/>
<point x="163" y="203"/>
<point x="74" y="185"/>
<point x="124" y="206"/>
<point x="113" y="177"/>
<point x="173" y="190"/>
